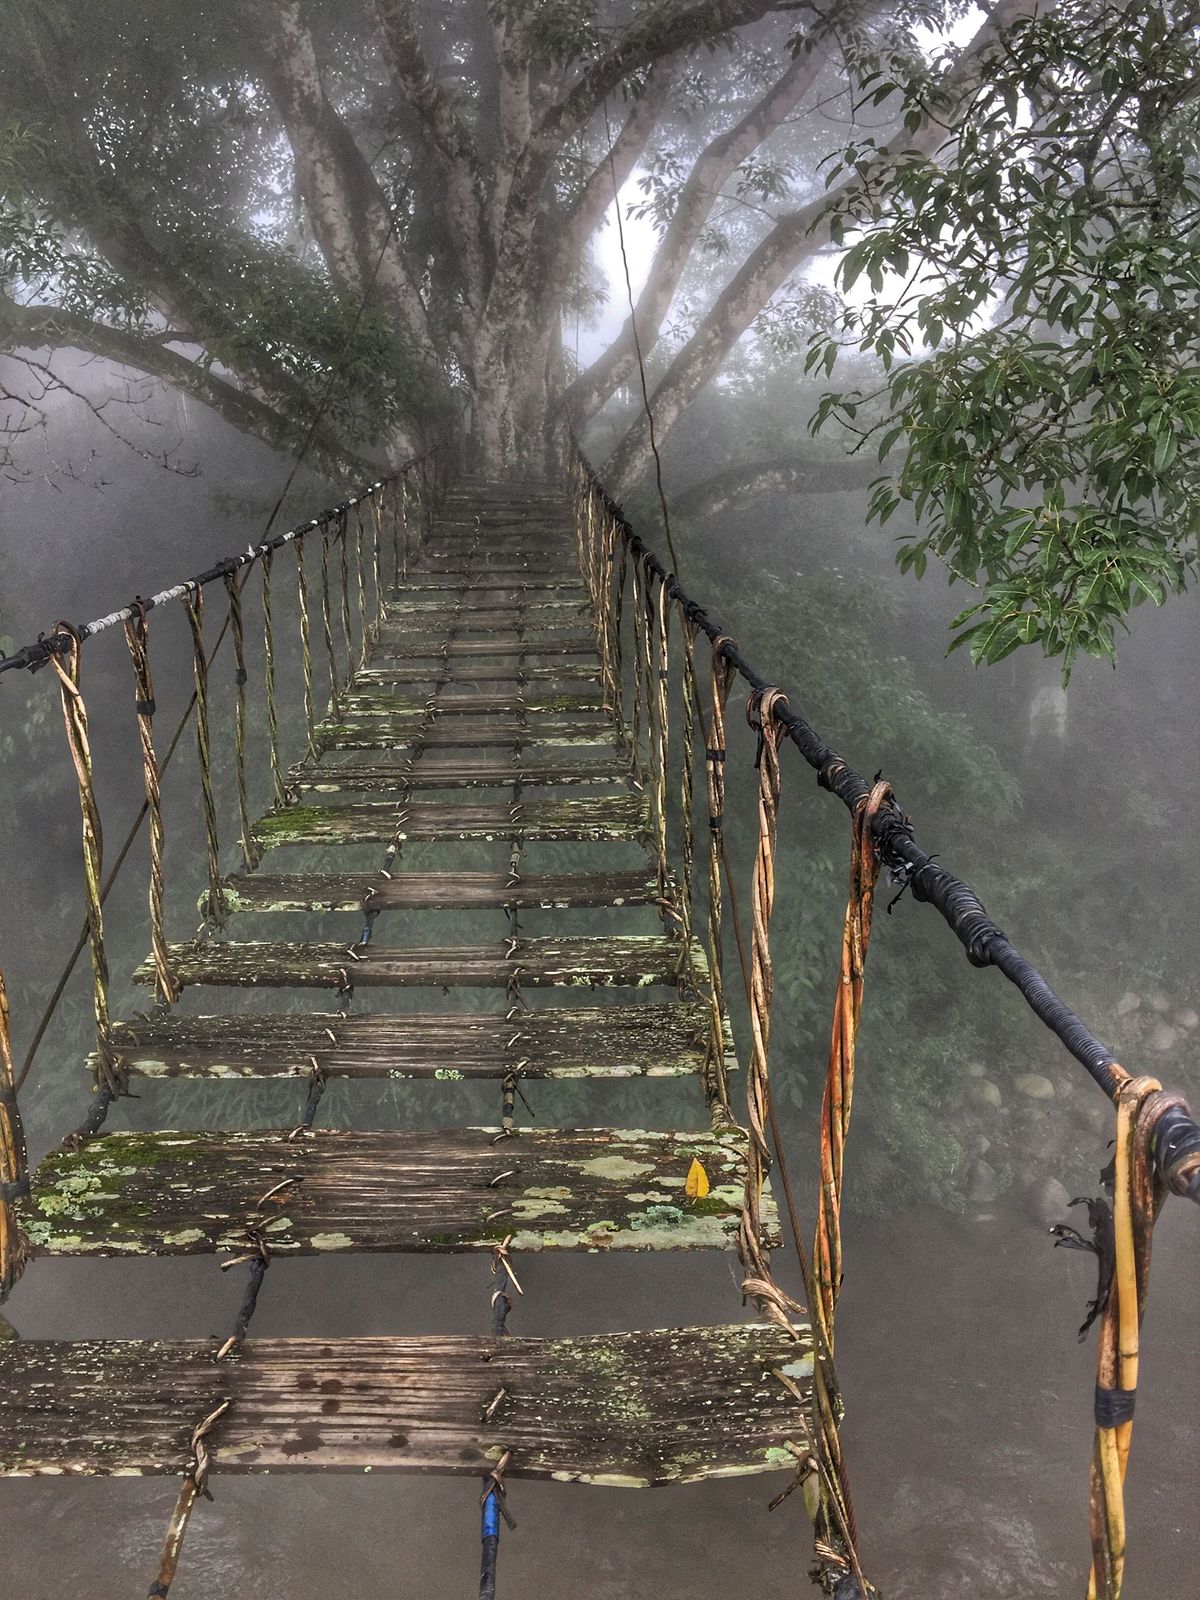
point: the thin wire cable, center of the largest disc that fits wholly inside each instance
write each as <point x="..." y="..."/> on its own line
<point x="637" y="345"/>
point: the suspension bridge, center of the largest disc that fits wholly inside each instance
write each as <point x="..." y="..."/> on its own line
<point x="509" y="664"/>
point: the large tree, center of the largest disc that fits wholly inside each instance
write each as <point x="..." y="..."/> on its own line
<point x="209" y="193"/>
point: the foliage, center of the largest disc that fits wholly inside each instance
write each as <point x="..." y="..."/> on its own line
<point x="1047" y="256"/>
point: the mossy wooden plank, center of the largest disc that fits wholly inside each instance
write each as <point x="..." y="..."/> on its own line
<point x="191" y="1193"/>
<point x="468" y="702"/>
<point x="469" y="672"/>
<point x="622" y="959"/>
<point x="435" y="891"/>
<point x="397" y="731"/>
<point x="462" y="772"/>
<point x="630" y="1041"/>
<point x="487" y="597"/>
<point x="491" y="579"/>
<point x="535" y="625"/>
<point x="624" y="1409"/>
<point x="598" y="817"/>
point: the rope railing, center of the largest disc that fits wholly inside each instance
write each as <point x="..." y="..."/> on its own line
<point x="1157" y="1139"/>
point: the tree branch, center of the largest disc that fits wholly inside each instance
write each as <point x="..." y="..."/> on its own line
<point x="567" y="236"/>
<point x="796" y="237"/>
<point x="708" y="176"/>
<point x="449" y="139"/>
<point x="43" y="326"/>
<point x="787" y="474"/>
<point x="349" y="212"/>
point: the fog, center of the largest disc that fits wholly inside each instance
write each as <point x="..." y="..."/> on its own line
<point x="969" y="1397"/>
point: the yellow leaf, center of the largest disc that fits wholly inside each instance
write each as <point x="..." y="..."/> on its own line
<point x="696" y="1186"/>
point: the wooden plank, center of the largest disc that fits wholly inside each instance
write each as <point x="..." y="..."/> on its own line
<point x="380" y="732"/>
<point x="412" y="648"/>
<point x="436" y="891"/>
<point x="630" y="1410"/>
<point x="192" y="1193"/>
<point x="609" y="816"/>
<point x="538" y="701"/>
<point x="501" y="770"/>
<point x="485" y="605"/>
<point x="479" y="672"/>
<point x="623" y="960"/>
<point x="631" y="1041"/>
<point x="397" y="626"/>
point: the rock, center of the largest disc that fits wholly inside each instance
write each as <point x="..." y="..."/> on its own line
<point x="985" y="1093"/>
<point x="1034" y="1087"/>
<point x="1188" y="1019"/>
<point x="1049" y="1200"/>
<point x="1163" y="1037"/>
<point x="983" y="1183"/>
<point x="976" y="1069"/>
<point x="1128" y="1002"/>
<point x="982" y="1145"/>
<point x="1158" y="1001"/>
<point x="1094" y="1113"/>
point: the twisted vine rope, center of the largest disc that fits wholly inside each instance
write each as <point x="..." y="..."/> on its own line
<point x="14" y="1179"/>
<point x="65" y="661"/>
<point x="137" y="638"/>
<point x="213" y="904"/>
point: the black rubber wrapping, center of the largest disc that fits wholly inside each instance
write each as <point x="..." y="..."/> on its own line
<point x="892" y="833"/>
<point x="157" y="1591"/>
<point x="145" y="708"/>
<point x="1176" y="1138"/>
<point x="15" y="1189"/>
<point x="1114" y="1406"/>
<point x="715" y="755"/>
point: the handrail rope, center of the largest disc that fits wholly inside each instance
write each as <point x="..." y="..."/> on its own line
<point x="1177" y="1134"/>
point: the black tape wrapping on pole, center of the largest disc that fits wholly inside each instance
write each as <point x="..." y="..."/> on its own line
<point x="986" y="944"/>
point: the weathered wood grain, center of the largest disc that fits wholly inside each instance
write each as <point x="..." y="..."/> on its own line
<point x="622" y="959"/>
<point x="397" y="730"/>
<point x="468" y="672"/>
<point x="191" y="1193"/>
<point x="625" y="1409"/>
<point x="435" y="891"/>
<point x="499" y="770"/>
<point x="614" y="816"/>
<point x="580" y="1042"/>
<point x="461" y="700"/>
<point x="419" y="646"/>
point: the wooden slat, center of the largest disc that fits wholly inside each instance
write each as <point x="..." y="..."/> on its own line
<point x="623" y="1409"/>
<point x="191" y="1193"/>
<point x="486" y="733"/>
<point x="435" y="891"/>
<point x="611" y="816"/>
<point x="413" y="648"/>
<point x="632" y="1041"/>
<point x="463" y="772"/>
<point x="473" y="703"/>
<point x="485" y="604"/>
<point x="536" y="626"/>
<point x="467" y="672"/>
<point x="612" y="959"/>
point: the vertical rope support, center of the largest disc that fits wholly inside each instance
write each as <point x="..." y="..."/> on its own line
<point x="1137" y="1199"/>
<point x="277" y="785"/>
<point x="306" y="660"/>
<point x="361" y="586"/>
<point x="233" y="589"/>
<point x="617" y="613"/>
<point x="214" y="909"/>
<point x="75" y="718"/>
<point x="376" y="507"/>
<point x="14" y="1161"/>
<point x="193" y="1487"/>
<point x="836" y="1530"/>
<point x="137" y="638"/>
<point x="661" y="682"/>
<point x="640" y="654"/>
<point x="716" y="1079"/>
<point x="335" y="698"/>
<point x="750" y="1242"/>
<point x="687" y="780"/>
<point x="399" y="520"/>
<point x="343" y="537"/>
